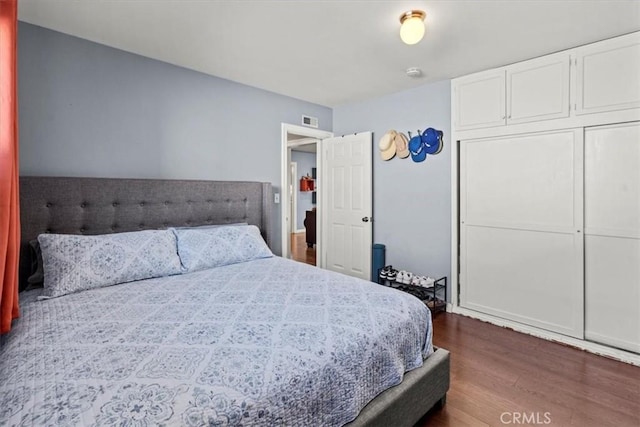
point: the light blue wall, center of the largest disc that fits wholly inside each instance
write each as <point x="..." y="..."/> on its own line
<point x="91" y="110"/>
<point x="305" y="162"/>
<point x="412" y="201"/>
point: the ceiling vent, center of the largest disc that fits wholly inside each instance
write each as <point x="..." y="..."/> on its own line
<point x="310" y="121"/>
<point x="414" y="72"/>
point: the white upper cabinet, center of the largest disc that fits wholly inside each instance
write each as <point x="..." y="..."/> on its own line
<point x="608" y="75"/>
<point x="538" y="89"/>
<point x="596" y="78"/>
<point x="479" y="100"/>
<point x="525" y="92"/>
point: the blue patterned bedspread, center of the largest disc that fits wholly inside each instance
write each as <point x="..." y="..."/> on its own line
<point x="268" y="342"/>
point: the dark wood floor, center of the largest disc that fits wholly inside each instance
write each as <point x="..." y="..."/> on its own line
<point x="496" y="371"/>
<point x="499" y="376"/>
<point x="300" y="251"/>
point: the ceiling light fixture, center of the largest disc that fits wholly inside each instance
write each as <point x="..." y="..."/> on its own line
<point x="412" y="28"/>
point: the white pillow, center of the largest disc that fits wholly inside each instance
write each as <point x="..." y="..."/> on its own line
<point x="73" y="263"/>
<point x="201" y="248"/>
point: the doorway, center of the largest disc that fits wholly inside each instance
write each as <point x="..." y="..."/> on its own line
<point x="344" y="189"/>
<point x="304" y="203"/>
<point x="302" y="146"/>
<point x="293" y="195"/>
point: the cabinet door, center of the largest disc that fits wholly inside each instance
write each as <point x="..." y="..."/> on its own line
<point x="521" y="246"/>
<point x="479" y="100"/>
<point x="538" y="89"/>
<point x="612" y="235"/>
<point x="608" y="75"/>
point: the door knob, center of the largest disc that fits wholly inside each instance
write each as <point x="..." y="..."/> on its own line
<point x="365" y="219"/>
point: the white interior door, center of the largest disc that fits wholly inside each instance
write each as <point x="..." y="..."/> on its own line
<point x="612" y="235"/>
<point x="347" y="197"/>
<point x="521" y="255"/>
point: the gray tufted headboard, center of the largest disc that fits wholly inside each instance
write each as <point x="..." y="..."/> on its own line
<point x="110" y="205"/>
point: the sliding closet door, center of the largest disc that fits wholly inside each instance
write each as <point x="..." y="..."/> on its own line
<point x="521" y="254"/>
<point x="612" y="235"/>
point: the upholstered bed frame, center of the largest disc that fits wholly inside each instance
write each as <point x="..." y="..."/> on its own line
<point x="110" y="205"/>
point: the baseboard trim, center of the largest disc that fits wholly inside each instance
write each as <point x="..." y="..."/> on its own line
<point x="599" y="349"/>
<point x="302" y="230"/>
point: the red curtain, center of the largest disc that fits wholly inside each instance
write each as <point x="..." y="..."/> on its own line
<point x="9" y="200"/>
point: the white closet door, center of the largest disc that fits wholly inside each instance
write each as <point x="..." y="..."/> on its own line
<point x="521" y="252"/>
<point x="612" y="235"/>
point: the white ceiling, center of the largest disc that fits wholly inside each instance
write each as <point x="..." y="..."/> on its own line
<point x="333" y="52"/>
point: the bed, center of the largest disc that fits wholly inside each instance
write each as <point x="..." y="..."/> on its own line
<point x="265" y="342"/>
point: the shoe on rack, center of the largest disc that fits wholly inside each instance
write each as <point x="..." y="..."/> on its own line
<point x="392" y="274"/>
<point x="428" y="282"/>
<point x="408" y="277"/>
<point x="416" y="280"/>
<point x="400" y="276"/>
<point x="385" y="271"/>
